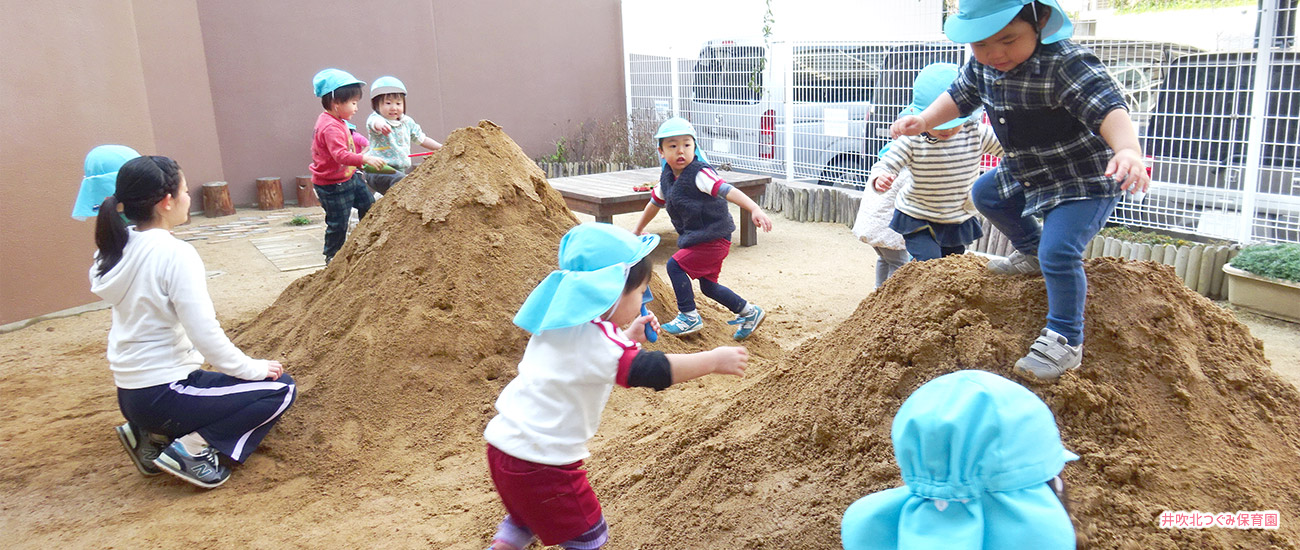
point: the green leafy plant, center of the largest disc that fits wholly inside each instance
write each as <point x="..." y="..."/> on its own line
<point x="561" y="153"/>
<point x="1279" y="261"/>
<point x="754" y="75"/>
<point x="299" y="220"/>
<point x="1141" y="237"/>
<point x="1141" y="6"/>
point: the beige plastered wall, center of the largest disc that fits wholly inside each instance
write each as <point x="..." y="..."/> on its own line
<point x="225" y="89"/>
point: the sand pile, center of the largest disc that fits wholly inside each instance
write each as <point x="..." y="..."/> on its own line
<point x="1175" y="409"/>
<point x="403" y="342"/>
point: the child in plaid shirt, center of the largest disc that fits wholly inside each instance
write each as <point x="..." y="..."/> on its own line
<point x="1071" y="150"/>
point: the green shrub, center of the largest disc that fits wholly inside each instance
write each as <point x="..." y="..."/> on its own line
<point x="1141" y="237"/>
<point x="300" y="220"/>
<point x="1279" y="261"/>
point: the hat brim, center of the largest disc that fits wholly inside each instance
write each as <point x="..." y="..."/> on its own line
<point x="897" y="519"/>
<point x="570" y="298"/>
<point x="965" y="31"/>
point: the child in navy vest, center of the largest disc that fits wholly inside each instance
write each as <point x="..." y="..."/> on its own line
<point x="696" y="200"/>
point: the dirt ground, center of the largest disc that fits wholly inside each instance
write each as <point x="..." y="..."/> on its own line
<point x="328" y="483"/>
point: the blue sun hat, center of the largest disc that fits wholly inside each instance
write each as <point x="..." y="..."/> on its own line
<point x="976" y="452"/>
<point x="594" y="262"/>
<point x="930" y="83"/>
<point x="100" y="181"/>
<point x="329" y="80"/>
<point x="387" y="85"/>
<point x="678" y="126"/>
<point x="979" y="19"/>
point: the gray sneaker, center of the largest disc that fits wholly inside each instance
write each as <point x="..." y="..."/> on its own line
<point x="1049" y="357"/>
<point x="143" y="447"/>
<point x="203" y="469"/>
<point x="1015" y="264"/>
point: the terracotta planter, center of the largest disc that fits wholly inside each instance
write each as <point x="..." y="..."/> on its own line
<point x="1272" y="297"/>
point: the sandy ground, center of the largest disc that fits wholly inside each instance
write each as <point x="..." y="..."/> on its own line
<point x="82" y="491"/>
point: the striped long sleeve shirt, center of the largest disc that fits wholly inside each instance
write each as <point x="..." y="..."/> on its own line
<point x="942" y="172"/>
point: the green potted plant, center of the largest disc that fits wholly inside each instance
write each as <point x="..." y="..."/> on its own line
<point x="1266" y="278"/>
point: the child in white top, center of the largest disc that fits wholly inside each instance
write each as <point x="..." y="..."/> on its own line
<point x="179" y="416"/>
<point x="546" y="415"/>
<point x="933" y="211"/>
<point x="392" y="132"/>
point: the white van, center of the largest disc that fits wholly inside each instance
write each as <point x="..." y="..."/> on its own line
<point x="737" y="104"/>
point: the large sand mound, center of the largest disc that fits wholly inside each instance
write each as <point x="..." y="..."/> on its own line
<point x="1175" y="409"/>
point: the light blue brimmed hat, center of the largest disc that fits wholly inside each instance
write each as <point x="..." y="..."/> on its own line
<point x="100" y="181"/>
<point x="678" y="126"/>
<point x="930" y="83"/>
<point x="329" y="80"/>
<point x="976" y="452"/>
<point x="979" y="19"/>
<point x="594" y="262"/>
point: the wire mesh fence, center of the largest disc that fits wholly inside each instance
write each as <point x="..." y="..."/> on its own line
<point x="1220" y="125"/>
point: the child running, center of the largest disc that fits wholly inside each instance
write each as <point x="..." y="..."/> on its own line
<point x="336" y="155"/>
<point x="981" y="459"/>
<point x="1071" y="151"/>
<point x="586" y="325"/>
<point x="696" y="200"/>
<point x="392" y="132"/>
<point x="933" y="210"/>
<point x="178" y="416"/>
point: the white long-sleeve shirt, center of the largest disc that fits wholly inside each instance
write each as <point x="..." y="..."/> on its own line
<point x="941" y="173"/>
<point x="164" y="325"/>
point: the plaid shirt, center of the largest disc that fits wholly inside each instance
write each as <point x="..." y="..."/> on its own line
<point x="1047" y="113"/>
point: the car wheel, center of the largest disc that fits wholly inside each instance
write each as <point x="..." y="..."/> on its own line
<point x="846" y="172"/>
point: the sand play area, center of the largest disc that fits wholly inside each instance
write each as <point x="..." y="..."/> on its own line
<point x="403" y="342"/>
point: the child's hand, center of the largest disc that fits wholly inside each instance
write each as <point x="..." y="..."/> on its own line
<point x="883" y="183"/>
<point x="376" y="162"/>
<point x="729" y="360"/>
<point x="1128" y="168"/>
<point x="761" y="220"/>
<point x="636" y="330"/>
<point x="380" y="127"/>
<point x="274" y="369"/>
<point x="910" y="125"/>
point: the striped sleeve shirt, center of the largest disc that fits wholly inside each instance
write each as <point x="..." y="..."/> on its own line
<point x="942" y="172"/>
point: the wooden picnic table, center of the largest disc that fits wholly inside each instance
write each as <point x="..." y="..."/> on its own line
<point x="609" y="193"/>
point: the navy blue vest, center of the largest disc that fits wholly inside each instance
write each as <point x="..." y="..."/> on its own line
<point x="697" y="216"/>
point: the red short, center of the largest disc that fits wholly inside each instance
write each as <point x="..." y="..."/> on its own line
<point x="555" y="502"/>
<point x="704" y="260"/>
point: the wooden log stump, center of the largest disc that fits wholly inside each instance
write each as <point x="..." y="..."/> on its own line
<point x="269" y="194"/>
<point x="306" y="192"/>
<point x="216" y="200"/>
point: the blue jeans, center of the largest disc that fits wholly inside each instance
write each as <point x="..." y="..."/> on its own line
<point x="1058" y="243"/>
<point x="338" y="200"/>
<point x="888" y="261"/>
<point x="686" y="295"/>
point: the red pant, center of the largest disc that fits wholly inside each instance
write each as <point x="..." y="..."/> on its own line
<point x="555" y="502"/>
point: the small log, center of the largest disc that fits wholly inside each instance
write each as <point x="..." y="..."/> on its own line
<point x="269" y="194"/>
<point x="216" y="200"/>
<point x="306" y="192"/>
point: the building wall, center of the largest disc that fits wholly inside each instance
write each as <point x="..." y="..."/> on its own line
<point x="225" y="89"/>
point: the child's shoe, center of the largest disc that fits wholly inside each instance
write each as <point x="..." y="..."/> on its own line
<point x="1049" y="357"/>
<point x="683" y="325"/>
<point x="203" y="469"/>
<point x="748" y="323"/>
<point x="143" y="447"/>
<point x="1015" y="264"/>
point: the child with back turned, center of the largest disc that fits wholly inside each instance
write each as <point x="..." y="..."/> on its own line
<point x="392" y="132"/>
<point x="336" y="156"/>
<point x="696" y="200"/>
<point x="933" y="173"/>
<point x="1071" y="150"/>
<point x="586" y="325"/>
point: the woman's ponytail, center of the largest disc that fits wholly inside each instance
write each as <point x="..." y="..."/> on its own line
<point x="141" y="183"/>
<point x="110" y="235"/>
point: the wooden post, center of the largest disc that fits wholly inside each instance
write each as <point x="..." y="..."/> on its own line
<point x="306" y="192"/>
<point x="269" y="194"/>
<point x="216" y="200"/>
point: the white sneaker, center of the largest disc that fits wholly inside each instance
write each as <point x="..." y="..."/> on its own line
<point x="1049" y="357"/>
<point x="1016" y="264"/>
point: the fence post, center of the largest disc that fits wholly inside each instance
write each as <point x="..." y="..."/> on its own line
<point x="1258" y="112"/>
<point x="674" y="81"/>
<point x="787" y="118"/>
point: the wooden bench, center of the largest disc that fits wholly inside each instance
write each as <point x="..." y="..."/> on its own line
<point x="610" y="193"/>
